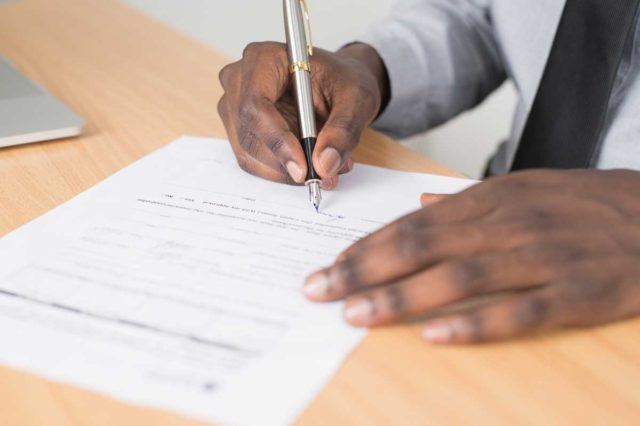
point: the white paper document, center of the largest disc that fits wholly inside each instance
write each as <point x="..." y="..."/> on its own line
<point x="176" y="284"/>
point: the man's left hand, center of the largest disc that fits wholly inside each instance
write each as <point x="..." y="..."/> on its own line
<point x="564" y="246"/>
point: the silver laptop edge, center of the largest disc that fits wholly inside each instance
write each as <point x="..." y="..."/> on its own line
<point x="28" y="113"/>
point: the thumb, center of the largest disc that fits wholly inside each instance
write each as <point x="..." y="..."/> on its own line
<point x="340" y="135"/>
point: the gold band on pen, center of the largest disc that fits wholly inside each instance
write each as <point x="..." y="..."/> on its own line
<point x="299" y="66"/>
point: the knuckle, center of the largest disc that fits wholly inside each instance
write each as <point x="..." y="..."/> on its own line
<point x="251" y="48"/>
<point x="263" y="48"/>
<point x="274" y="47"/>
<point x="395" y="300"/>
<point x="249" y="141"/>
<point x="408" y="241"/>
<point x="349" y="275"/>
<point x="469" y="276"/>
<point x="248" y="113"/>
<point x="474" y="328"/>
<point x="411" y="238"/>
<point x="532" y="312"/>
<point x="346" y="127"/>
<point x="277" y="143"/>
<point x="225" y="74"/>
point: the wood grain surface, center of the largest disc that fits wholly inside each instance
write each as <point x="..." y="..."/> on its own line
<point x="140" y="85"/>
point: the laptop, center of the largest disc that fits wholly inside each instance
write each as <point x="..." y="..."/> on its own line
<point x="28" y="113"/>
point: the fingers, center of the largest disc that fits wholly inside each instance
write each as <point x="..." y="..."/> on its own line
<point x="410" y="248"/>
<point x="586" y="293"/>
<point x="583" y="295"/>
<point x="454" y="281"/>
<point x="510" y="317"/>
<point x="255" y="158"/>
<point x="268" y="167"/>
<point x="553" y="290"/>
<point x="260" y="136"/>
<point x="261" y="125"/>
<point x="259" y="110"/>
<point x="456" y="226"/>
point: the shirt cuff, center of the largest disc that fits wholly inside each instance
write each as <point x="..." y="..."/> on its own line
<point x="404" y="115"/>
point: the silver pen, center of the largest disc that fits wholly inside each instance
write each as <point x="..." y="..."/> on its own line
<point x="300" y="49"/>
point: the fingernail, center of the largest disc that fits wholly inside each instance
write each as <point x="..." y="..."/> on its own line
<point x="317" y="286"/>
<point x="330" y="161"/>
<point x="359" y="312"/>
<point x="295" y="171"/>
<point x="438" y="332"/>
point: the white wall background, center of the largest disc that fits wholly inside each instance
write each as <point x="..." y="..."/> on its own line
<point x="228" y="25"/>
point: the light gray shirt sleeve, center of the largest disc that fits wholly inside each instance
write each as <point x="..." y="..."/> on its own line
<point x="442" y="57"/>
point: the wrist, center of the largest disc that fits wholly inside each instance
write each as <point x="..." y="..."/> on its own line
<point x="373" y="63"/>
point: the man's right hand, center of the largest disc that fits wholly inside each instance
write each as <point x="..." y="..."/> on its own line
<point x="259" y="110"/>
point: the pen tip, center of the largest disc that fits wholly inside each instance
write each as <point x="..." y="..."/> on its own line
<point x="315" y="196"/>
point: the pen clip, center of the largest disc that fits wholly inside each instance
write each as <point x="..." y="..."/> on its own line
<point x="307" y="26"/>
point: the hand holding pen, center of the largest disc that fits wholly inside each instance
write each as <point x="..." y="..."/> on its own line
<point x="300" y="50"/>
<point x="260" y="111"/>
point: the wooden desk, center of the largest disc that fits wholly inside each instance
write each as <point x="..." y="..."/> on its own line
<point x="140" y="85"/>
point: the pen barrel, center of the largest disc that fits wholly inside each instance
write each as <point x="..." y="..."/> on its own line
<point x="308" y="144"/>
<point x="304" y="100"/>
<point x="297" y="43"/>
<point x="299" y="50"/>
